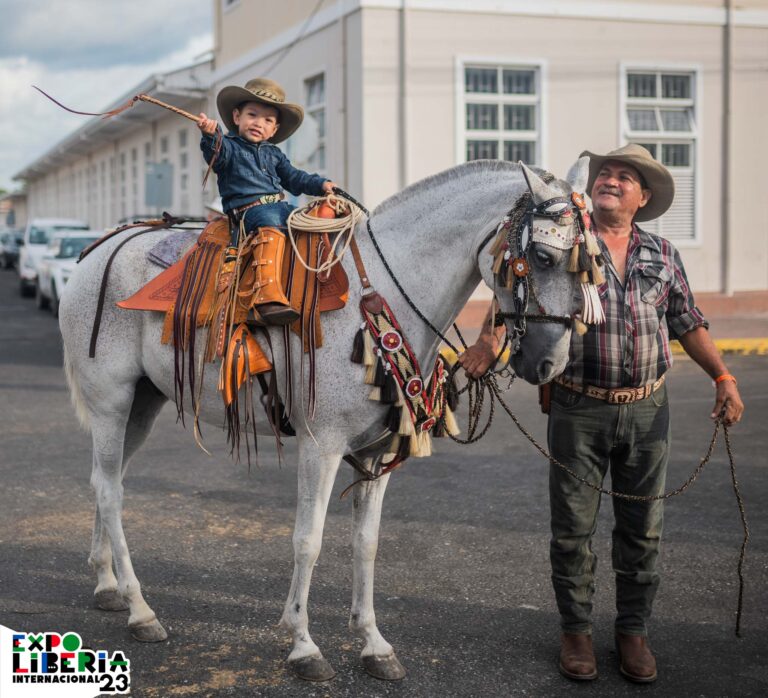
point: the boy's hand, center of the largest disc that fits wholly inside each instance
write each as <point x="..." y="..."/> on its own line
<point x="207" y="125"/>
<point x="328" y="187"/>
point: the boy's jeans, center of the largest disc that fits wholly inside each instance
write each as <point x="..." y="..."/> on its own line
<point x="267" y="215"/>
<point x="589" y="435"/>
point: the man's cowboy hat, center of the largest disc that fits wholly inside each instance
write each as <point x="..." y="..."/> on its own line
<point x="266" y="92"/>
<point x="657" y="177"/>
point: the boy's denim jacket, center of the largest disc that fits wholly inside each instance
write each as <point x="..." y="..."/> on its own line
<point x="248" y="170"/>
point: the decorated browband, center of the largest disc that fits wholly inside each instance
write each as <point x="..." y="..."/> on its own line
<point x="510" y="250"/>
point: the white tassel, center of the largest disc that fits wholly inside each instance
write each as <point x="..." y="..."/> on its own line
<point x="451" y="426"/>
<point x="592" y="312"/>
<point x="369" y="358"/>
<point x="375" y="394"/>
<point x="593" y="249"/>
<point x="394" y="444"/>
<point x="406" y="423"/>
<point x="370" y="373"/>
<point x="425" y="444"/>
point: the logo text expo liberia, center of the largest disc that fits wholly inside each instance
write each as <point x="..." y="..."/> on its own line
<point x="62" y="659"/>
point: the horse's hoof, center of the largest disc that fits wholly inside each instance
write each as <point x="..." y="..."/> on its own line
<point x="312" y="669"/>
<point x="385" y="668"/>
<point x="110" y="600"/>
<point x="151" y="631"/>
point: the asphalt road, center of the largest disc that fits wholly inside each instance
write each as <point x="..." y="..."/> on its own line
<point x="462" y="589"/>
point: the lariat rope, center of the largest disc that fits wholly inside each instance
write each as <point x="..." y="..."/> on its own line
<point x="344" y="224"/>
<point x="487" y="385"/>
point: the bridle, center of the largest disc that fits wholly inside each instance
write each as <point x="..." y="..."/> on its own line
<point x="516" y="264"/>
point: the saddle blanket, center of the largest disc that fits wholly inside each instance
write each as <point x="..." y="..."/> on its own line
<point x="172" y="247"/>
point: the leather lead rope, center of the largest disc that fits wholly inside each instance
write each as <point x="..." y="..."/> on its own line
<point x="476" y="387"/>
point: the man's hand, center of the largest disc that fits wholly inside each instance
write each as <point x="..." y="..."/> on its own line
<point x="329" y="186"/>
<point x="728" y="395"/>
<point x="207" y="125"/>
<point x="480" y="356"/>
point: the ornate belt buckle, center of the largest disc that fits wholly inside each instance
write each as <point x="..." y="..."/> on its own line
<point x="621" y="396"/>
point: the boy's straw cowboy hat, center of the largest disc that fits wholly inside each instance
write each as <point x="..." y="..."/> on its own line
<point x="657" y="177"/>
<point x="266" y="92"/>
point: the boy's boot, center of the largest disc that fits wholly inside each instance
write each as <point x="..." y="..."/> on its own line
<point x="268" y="298"/>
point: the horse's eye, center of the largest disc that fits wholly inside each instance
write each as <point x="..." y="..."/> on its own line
<point x="544" y="258"/>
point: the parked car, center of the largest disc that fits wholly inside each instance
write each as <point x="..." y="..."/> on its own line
<point x="36" y="237"/>
<point x="57" y="265"/>
<point x="10" y="241"/>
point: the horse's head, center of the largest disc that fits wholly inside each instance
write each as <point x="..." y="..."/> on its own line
<point x="539" y="297"/>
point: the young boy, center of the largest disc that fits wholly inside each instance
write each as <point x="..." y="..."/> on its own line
<point x="252" y="172"/>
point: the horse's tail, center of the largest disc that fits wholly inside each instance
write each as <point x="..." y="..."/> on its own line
<point x="75" y="393"/>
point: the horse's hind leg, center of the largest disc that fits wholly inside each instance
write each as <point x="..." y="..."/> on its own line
<point x="317" y="472"/>
<point x="378" y="656"/>
<point x="115" y="439"/>
<point x="146" y="405"/>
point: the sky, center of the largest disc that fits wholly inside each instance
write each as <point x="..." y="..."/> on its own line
<point x="86" y="53"/>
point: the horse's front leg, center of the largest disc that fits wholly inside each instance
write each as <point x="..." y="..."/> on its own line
<point x="378" y="656"/>
<point x="317" y="472"/>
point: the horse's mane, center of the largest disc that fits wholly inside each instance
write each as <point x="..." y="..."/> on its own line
<point x="397" y="200"/>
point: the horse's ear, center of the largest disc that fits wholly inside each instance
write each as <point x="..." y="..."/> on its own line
<point x="578" y="175"/>
<point x="540" y="190"/>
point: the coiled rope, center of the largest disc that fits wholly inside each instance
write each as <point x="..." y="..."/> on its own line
<point x="348" y="215"/>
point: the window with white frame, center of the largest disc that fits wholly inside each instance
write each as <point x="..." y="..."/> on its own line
<point x="502" y="112"/>
<point x="314" y="90"/>
<point x="660" y="114"/>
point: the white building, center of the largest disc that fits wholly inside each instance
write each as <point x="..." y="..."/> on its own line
<point x="402" y="89"/>
<point x="99" y="173"/>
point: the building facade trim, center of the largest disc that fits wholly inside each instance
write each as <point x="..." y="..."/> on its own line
<point x="577" y="9"/>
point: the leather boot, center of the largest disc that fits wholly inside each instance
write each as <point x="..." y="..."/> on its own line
<point x="577" y="659"/>
<point x="268" y="296"/>
<point x="636" y="661"/>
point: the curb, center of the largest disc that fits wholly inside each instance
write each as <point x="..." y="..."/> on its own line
<point x="757" y="346"/>
<point x="752" y="346"/>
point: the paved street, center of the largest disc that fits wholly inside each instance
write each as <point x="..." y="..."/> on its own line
<point x="462" y="590"/>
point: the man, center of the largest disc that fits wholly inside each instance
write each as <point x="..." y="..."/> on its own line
<point x="596" y="423"/>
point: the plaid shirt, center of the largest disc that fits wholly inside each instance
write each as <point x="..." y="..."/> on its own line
<point x="632" y="348"/>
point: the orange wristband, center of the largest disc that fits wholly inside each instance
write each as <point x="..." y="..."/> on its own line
<point x="726" y="377"/>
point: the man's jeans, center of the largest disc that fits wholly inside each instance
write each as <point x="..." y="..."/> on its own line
<point x="589" y="435"/>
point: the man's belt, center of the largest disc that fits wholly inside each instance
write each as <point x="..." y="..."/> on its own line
<point x="266" y="199"/>
<point x="613" y="396"/>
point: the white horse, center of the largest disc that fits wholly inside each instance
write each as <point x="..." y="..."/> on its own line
<point x="435" y="235"/>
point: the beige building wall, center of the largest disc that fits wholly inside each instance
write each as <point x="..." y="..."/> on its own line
<point x="579" y="113"/>
<point x="748" y="239"/>
<point x="333" y="51"/>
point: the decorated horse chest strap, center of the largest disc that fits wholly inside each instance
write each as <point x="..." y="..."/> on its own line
<point x="393" y="370"/>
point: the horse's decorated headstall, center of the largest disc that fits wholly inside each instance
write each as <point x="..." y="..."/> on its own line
<point x="564" y="224"/>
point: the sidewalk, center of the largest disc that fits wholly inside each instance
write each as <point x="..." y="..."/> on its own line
<point x="738" y="323"/>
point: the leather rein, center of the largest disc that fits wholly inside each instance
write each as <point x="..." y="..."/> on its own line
<point x="521" y="239"/>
